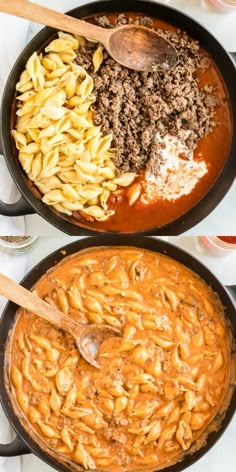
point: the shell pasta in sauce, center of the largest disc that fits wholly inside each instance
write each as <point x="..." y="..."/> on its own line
<point x="160" y="384"/>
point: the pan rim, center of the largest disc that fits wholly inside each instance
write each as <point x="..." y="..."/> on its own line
<point x="208" y="202"/>
<point x="157" y="245"/>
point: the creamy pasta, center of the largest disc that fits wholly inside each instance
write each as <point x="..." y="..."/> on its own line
<point x="161" y="383"/>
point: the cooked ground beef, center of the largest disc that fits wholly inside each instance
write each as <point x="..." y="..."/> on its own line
<point x="139" y="107"/>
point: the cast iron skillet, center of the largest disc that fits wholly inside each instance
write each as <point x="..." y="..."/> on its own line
<point x="23" y="443"/>
<point x="30" y="203"/>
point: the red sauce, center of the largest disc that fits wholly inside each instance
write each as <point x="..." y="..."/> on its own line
<point x="228" y="239"/>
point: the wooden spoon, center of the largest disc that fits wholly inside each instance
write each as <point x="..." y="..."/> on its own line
<point x="133" y="46"/>
<point x="88" y="338"/>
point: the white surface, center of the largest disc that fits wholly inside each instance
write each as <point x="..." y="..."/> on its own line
<point x="8" y="55"/>
<point x="222" y="26"/>
<point x="222" y="456"/>
<point x="9" y="192"/>
<point x="15" y="268"/>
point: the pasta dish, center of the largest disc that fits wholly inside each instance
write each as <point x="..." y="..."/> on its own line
<point x="115" y="149"/>
<point x="160" y="384"/>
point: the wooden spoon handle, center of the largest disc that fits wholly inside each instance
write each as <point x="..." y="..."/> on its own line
<point x="26" y="299"/>
<point x="38" y="14"/>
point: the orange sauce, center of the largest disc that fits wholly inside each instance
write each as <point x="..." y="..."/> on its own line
<point x="168" y="369"/>
<point x="228" y="239"/>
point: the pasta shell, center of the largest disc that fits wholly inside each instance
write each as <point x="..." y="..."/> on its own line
<point x="25" y="87"/>
<point x="73" y="360"/>
<point x="82" y="457"/>
<point x="198" y="420"/>
<point x="125" y="180"/>
<point x="93" y="305"/>
<point x="70" y="85"/>
<point x="55" y="196"/>
<point x="66" y="438"/>
<point x="64" y="380"/>
<point x="71" y="397"/>
<point x="95" y="422"/>
<point x="217" y="364"/>
<point x="175" y="415"/>
<point x="90" y="194"/>
<point x="26" y="161"/>
<point x="72" y="206"/>
<point x="120" y="404"/>
<point x="34" y="68"/>
<point x="48" y="431"/>
<point x="154" y="433"/>
<point x="53" y="112"/>
<point x="60" y="45"/>
<point x="52" y="182"/>
<point x="34" y="135"/>
<point x="44" y="408"/>
<point x="61" y="209"/>
<point x="47" y="173"/>
<point x="83" y="427"/>
<point x="184" y="435"/>
<point x="37" y="165"/>
<point x="69" y="192"/>
<point x="49" y="63"/>
<point x="24" y="77"/>
<point x="48" y="84"/>
<point x="97" y="58"/>
<point x="140" y="355"/>
<point x="81" y="108"/>
<point x="94" y="211"/>
<point x="16" y="377"/>
<point x="34" y="415"/>
<point x="72" y="39"/>
<point x="80" y="121"/>
<point x="110" y="186"/>
<point x="166" y="435"/>
<point x="26" y="96"/>
<point x="85" y="88"/>
<point x="107" y="172"/>
<point x="23" y="400"/>
<point x="26" y="108"/>
<point x="67" y="56"/>
<point x="77" y="413"/>
<point x="81" y="40"/>
<point x="56" y="99"/>
<point x="50" y="160"/>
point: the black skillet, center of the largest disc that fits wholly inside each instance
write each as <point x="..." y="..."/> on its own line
<point x="24" y="444"/>
<point x="30" y="203"/>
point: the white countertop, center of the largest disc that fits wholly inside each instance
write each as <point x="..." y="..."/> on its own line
<point x="222" y="456"/>
<point x="222" y="26"/>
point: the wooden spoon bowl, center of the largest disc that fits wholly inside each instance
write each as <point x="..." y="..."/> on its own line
<point x="133" y="46"/>
<point x="88" y="337"/>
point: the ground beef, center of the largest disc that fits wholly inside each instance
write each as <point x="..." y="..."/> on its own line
<point x="140" y="108"/>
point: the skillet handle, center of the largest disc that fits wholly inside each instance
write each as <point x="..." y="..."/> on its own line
<point x="19" y="208"/>
<point x="16" y="448"/>
<point x="232" y="290"/>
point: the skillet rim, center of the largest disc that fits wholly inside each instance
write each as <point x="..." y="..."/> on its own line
<point x="156" y="245"/>
<point x="220" y="187"/>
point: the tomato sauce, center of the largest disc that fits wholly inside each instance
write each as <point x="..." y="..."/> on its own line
<point x="228" y="239"/>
